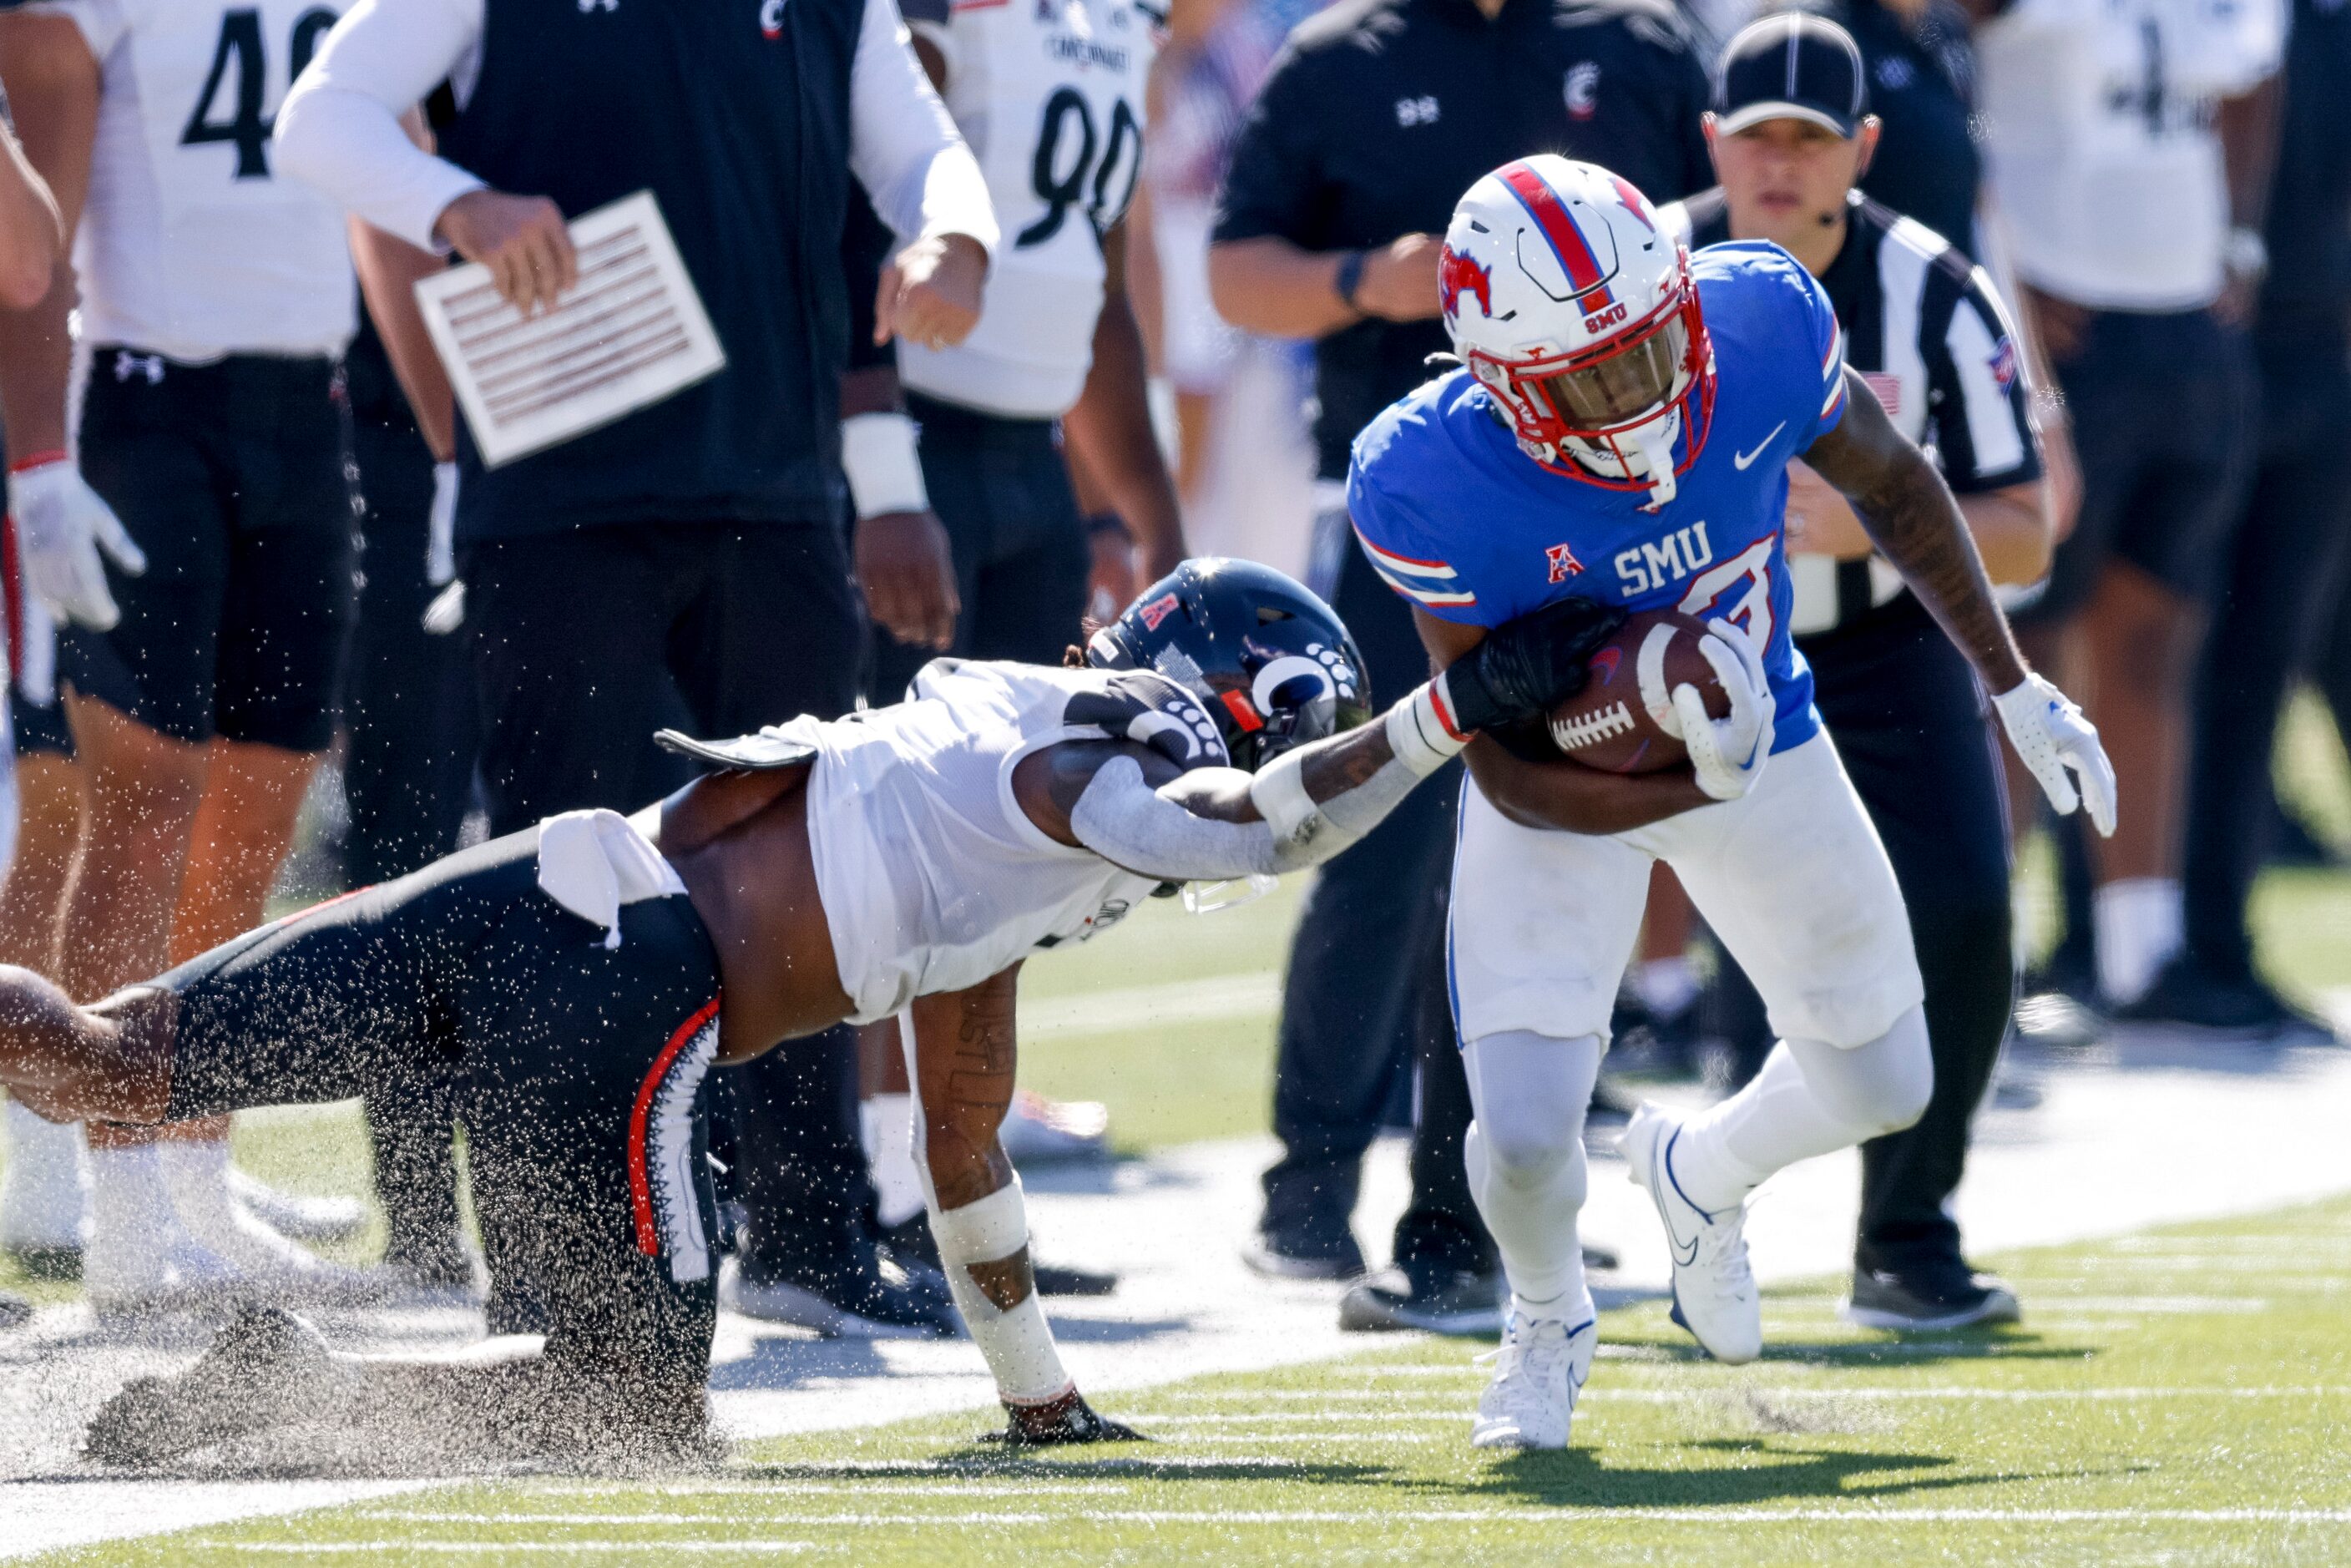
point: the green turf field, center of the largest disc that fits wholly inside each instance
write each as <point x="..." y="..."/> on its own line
<point x="2182" y="1396"/>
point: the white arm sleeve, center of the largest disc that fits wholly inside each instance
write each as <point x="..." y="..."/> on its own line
<point x="902" y="147"/>
<point x="1121" y="818"/>
<point x="339" y="132"/>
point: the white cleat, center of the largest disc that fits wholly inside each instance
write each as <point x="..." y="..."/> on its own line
<point x="1538" y="1373"/>
<point x="298" y="1215"/>
<point x="1038" y="1131"/>
<point x="1714" y="1288"/>
<point x="168" y="1272"/>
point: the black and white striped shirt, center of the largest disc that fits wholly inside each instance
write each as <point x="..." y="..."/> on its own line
<point x="1927" y="329"/>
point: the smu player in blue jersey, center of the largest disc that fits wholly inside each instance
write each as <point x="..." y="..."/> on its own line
<point x="1620" y="431"/>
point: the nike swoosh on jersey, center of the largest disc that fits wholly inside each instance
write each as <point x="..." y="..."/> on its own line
<point x="1742" y="461"/>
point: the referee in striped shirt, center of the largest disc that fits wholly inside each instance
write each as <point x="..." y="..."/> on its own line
<point x="1790" y="134"/>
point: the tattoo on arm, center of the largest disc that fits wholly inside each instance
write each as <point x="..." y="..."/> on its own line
<point x="1911" y="515"/>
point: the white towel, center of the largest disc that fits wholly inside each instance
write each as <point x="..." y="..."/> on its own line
<point x="593" y="863"/>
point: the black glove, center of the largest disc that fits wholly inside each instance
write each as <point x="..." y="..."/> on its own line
<point x="1528" y="667"/>
<point x="1068" y="1419"/>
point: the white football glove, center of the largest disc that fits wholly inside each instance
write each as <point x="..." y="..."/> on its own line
<point x="61" y="525"/>
<point x="2051" y="737"/>
<point x="441" y="527"/>
<point x="1728" y="754"/>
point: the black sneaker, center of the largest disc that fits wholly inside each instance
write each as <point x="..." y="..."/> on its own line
<point x="2188" y="996"/>
<point x="911" y="1241"/>
<point x="1303" y="1255"/>
<point x="859" y="1295"/>
<point x="15" y="1311"/>
<point x="1925" y="1297"/>
<point x="1429" y="1297"/>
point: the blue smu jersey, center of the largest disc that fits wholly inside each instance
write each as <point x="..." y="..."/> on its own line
<point x="1460" y="521"/>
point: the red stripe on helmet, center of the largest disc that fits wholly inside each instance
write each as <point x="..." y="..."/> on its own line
<point x="1244" y="711"/>
<point x="1567" y="241"/>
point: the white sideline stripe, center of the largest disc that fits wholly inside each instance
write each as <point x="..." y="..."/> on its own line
<point x="1211" y="1000"/>
<point x="1863" y="1515"/>
<point x="350" y="1548"/>
<point x="1362" y="1408"/>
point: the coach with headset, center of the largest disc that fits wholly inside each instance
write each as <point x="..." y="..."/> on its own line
<point x="1790" y="134"/>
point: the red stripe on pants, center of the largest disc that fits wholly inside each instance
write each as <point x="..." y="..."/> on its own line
<point x="640" y="1190"/>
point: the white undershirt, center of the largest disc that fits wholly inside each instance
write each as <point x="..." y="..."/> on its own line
<point x="340" y="128"/>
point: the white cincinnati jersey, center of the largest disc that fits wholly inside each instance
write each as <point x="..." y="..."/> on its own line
<point x="933" y="877"/>
<point x="1050" y="94"/>
<point x="192" y="245"/>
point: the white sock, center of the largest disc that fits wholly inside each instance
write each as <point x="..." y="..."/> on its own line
<point x="44" y="1194"/>
<point x="1811" y="1098"/>
<point x="2138" y="924"/>
<point x="130" y="1208"/>
<point x="888" y="1124"/>
<point x="1525" y="1157"/>
<point x="195" y="1174"/>
<point x="1664" y="986"/>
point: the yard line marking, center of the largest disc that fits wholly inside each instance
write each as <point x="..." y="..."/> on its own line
<point x="1665" y="1396"/>
<point x="1859" y="1515"/>
<point x="351" y="1547"/>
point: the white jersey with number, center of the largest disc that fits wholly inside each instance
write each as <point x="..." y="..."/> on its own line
<point x="1049" y="93"/>
<point x="192" y="245"/>
<point x="933" y="877"/>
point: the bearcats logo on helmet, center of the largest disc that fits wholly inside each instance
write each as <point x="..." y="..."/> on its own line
<point x="1456" y="273"/>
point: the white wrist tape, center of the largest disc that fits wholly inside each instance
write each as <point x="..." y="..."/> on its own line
<point x="885" y="474"/>
<point x="1278" y="792"/>
<point x="1018" y="1343"/>
<point x="1421" y="731"/>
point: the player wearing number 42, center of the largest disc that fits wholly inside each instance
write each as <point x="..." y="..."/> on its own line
<point x="1620" y="431"/>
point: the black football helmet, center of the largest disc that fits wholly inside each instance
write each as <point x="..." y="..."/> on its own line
<point x="1273" y="663"/>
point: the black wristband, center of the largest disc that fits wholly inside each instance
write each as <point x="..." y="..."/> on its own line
<point x="1349" y="277"/>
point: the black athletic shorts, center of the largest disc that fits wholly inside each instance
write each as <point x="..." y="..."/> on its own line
<point x="230" y="476"/>
<point x="2163" y="428"/>
<point x="578" y="1071"/>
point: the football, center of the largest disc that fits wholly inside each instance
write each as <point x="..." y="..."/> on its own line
<point x="1623" y="721"/>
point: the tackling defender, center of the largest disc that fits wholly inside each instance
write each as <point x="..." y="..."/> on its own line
<point x="1621" y="432"/>
<point x="902" y="862"/>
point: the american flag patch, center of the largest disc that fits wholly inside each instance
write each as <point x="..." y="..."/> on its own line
<point x="1888" y="388"/>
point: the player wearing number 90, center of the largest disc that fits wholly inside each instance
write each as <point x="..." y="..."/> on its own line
<point x="1051" y="96"/>
<point x="1621" y="432"/>
<point x="196" y="540"/>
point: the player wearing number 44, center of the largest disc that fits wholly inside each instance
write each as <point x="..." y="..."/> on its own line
<point x="1621" y="431"/>
<point x="196" y="546"/>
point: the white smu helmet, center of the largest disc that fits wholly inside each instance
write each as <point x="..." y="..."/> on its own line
<point x="1575" y="310"/>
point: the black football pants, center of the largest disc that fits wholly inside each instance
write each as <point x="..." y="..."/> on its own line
<point x="2281" y="584"/>
<point x="587" y="641"/>
<point x="409" y="705"/>
<point x="1021" y="560"/>
<point x="1365" y="998"/>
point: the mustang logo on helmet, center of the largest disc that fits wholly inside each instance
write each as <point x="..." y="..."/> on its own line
<point x="1456" y="273"/>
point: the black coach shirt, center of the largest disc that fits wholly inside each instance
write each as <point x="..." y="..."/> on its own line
<point x="1922" y="84"/>
<point x="1380" y="113"/>
<point x="1926" y="330"/>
